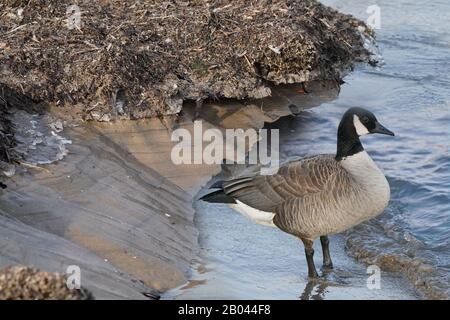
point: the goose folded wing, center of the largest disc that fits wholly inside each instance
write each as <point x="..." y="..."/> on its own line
<point x="294" y="179"/>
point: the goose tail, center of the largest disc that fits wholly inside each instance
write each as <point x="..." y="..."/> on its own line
<point x="217" y="196"/>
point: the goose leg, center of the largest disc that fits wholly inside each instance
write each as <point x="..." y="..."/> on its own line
<point x="309" y="252"/>
<point x="327" y="263"/>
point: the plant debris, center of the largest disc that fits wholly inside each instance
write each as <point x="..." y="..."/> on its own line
<point x="116" y="59"/>
<point x="144" y="58"/>
<point x="23" y="283"/>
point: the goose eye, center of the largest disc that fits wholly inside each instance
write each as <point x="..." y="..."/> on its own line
<point x="365" y="119"/>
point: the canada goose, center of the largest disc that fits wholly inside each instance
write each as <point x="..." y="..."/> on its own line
<point x="319" y="195"/>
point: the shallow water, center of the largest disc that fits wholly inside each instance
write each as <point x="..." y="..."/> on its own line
<point x="243" y="260"/>
<point x="410" y="95"/>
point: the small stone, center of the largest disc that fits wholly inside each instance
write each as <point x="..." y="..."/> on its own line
<point x="57" y="126"/>
<point x="105" y="118"/>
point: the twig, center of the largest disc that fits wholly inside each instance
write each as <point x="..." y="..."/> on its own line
<point x="15" y="29"/>
<point x="32" y="166"/>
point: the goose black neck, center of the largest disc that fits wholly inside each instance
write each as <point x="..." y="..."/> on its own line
<point x="347" y="139"/>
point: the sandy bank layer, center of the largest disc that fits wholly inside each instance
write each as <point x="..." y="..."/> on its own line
<point x="136" y="224"/>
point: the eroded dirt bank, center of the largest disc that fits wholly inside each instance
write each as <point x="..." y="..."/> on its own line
<point x="110" y="60"/>
<point x="117" y="206"/>
<point x="120" y="60"/>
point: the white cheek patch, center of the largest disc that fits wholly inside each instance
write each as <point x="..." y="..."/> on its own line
<point x="360" y="128"/>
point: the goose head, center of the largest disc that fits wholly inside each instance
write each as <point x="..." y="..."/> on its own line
<point x="364" y="122"/>
<point x="356" y="122"/>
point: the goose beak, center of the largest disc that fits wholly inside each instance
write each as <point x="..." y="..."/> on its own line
<point x="379" y="128"/>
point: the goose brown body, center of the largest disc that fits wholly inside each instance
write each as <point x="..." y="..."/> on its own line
<point x="315" y="196"/>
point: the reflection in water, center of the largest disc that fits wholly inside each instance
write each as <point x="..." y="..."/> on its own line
<point x="319" y="294"/>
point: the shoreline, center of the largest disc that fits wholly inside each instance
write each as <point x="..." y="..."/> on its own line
<point x="107" y="184"/>
<point x="118" y="195"/>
